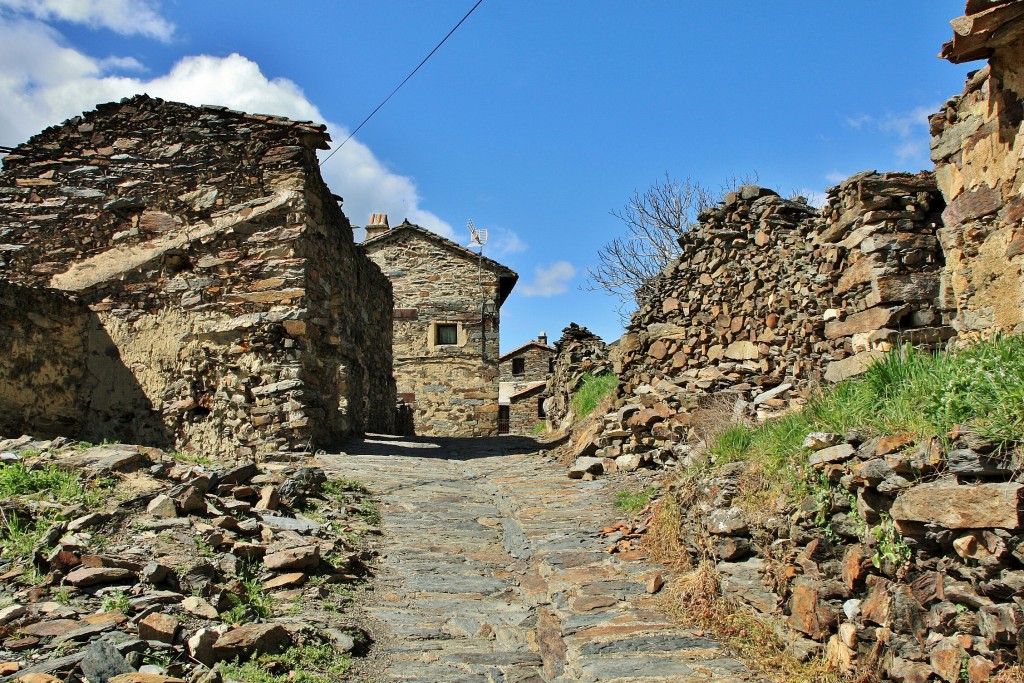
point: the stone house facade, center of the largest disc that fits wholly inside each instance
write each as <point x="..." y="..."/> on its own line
<point x="525" y="371"/>
<point x="447" y="300"/>
<point x="182" y="276"/>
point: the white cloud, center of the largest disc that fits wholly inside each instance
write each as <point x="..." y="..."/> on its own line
<point x="126" y="17"/>
<point x="910" y="128"/>
<point x="550" y="281"/>
<point x="44" y="81"/>
<point x="836" y="177"/>
<point x="503" y="241"/>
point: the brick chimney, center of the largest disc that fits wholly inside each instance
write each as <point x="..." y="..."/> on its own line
<point x="542" y="337"/>
<point x="378" y="225"/>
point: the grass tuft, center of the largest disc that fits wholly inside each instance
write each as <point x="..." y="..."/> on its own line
<point x="633" y="501"/>
<point x="317" y="663"/>
<point x="593" y="389"/>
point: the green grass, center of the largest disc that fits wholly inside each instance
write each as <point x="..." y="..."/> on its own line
<point x="254" y="601"/>
<point x="318" y="663"/>
<point x="539" y="428"/>
<point x="631" y="502"/>
<point x="592" y="390"/>
<point x="117" y="601"/>
<point x="926" y="394"/>
<point x="50" y="483"/>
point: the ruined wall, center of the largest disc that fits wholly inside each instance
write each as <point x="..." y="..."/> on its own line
<point x="215" y="259"/>
<point x="578" y="353"/>
<point x="767" y="300"/>
<point x="977" y="146"/>
<point x="889" y="266"/>
<point x="453" y="387"/>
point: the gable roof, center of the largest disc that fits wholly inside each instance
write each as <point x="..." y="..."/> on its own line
<point x="507" y="277"/>
<point x="543" y="347"/>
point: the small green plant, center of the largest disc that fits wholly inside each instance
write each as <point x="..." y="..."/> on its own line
<point x="312" y="663"/>
<point x="539" y="428"/>
<point x="592" y="390"/>
<point x="116" y="602"/>
<point x="62" y="596"/>
<point x="253" y="601"/>
<point x="732" y="444"/>
<point x="631" y="502"/>
<point x="193" y="458"/>
<point x="18" y="537"/>
<point x="889" y="544"/>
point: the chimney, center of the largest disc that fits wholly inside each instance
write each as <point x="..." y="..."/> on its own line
<point x="378" y="225"/>
<point x="542" y="337"/>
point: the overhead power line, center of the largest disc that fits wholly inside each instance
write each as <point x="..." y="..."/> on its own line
<point x="399" y="87"/>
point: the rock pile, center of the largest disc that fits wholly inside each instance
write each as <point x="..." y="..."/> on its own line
<point x="578" y="353"/>
<point x="171" y="562"/>
<point x="904" y="553"/>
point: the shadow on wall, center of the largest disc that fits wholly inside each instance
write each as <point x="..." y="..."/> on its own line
<point x="61" y="374"/>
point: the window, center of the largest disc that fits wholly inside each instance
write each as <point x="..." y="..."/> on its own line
<point x="540" y="407"/>
<point x="518" y="366"/>
<point x="551" y="364"/>
<point x="447" y="335"/>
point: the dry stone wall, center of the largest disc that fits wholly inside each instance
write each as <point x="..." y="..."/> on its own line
<point x="578" y="353"/>
<point x="769" y="299"/>
<point x="977" y="146"/>
<point x="217" y="262"/>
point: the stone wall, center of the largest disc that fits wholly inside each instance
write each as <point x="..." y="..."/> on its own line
<point x="218" y="264"/>
<point x="889" y="264"/>
<point x="524" y="410"/>
<point x="977" y="146"/>
<point x="453" y="387"/>
<point x="537" y="363"/>
<point x="578" y="353"/>
<point x="769" y="299"/>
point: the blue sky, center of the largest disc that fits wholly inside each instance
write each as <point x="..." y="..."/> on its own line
<point x="536" y="119"/>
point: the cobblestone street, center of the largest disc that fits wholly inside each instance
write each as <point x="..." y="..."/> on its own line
<point x="493" y="569"/>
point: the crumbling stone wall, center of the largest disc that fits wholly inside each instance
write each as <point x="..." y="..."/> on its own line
<point x="977" y="146"/>
<point x="767" y="300"/>
<point x="578" y="353"/>
<point x="889" y="267"/>
<point x="217" y="262"/>
<point x="453" y="387"/>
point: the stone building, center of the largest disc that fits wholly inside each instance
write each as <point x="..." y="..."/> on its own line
<point x="446" y="324"/>
<point x="182" y="276"/>
<point x="525" y="371"/>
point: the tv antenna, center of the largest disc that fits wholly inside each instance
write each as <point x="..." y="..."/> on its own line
<point x="477" y="238"/>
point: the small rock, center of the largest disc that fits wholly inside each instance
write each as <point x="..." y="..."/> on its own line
<point x="199" y="607"/>
<point x="12" y="612"/>
<point x="87" y="521"/>
<point x="816" y="441"/>
<point x="94" y="576"/>
<point x="270" y="498"/>
<point x="285" y="581"/>
<point x="102" y="662"/>
<point x="200" y="644"/>
<point x="250" y="639"/>
<point x="162" y="506"/>
<point x="159" y="627"/>
<point x="303" y="557"/>
<point x="655" y="583"/>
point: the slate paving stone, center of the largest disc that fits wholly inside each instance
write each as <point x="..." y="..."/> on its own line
<point x="477" y="544"/>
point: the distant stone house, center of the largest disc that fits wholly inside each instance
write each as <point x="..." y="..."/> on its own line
<point x="446" y="326"/>
<point x="181" y="276"/>
<point x="525" y="371"/>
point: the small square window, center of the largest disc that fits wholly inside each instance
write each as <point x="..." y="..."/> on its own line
<point x="447" y="335"/>
<point x="518" y="366"/>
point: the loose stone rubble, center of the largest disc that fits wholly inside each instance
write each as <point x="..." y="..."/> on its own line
<point x="908" y="550"/>
<point x="180" y="567"/>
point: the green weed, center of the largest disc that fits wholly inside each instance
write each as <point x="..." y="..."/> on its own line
<point x="592" y="390"/>
<point x="889" y="544"/>
<point x="303" y="664"/>
<point x="631" y="502"/>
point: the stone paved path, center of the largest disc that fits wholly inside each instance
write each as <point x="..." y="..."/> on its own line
<point x="492" y="571"/>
